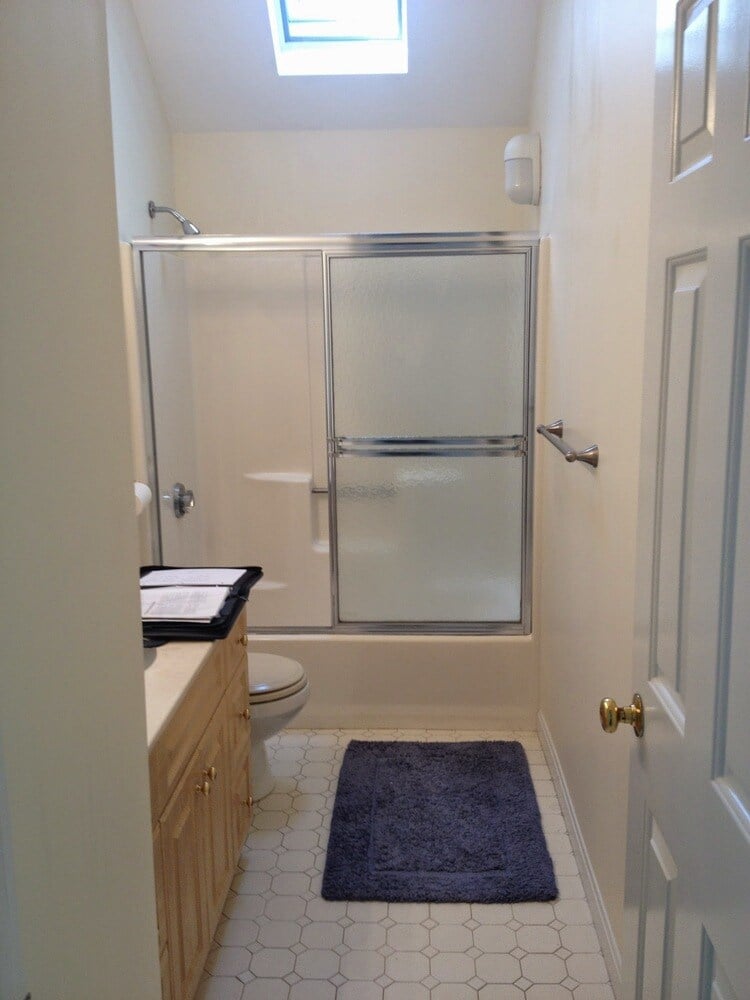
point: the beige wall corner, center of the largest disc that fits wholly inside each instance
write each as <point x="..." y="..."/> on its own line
<point x="593" y="106"/>
<point x="140" y="130"/>
<point x="72" y="714"/>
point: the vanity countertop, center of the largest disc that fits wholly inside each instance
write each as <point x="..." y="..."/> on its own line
<point x="168" y="678"/>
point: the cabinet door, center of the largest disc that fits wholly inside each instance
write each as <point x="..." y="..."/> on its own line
<point x="161" y="916"/>
<point x="166" y="976"/>
<point x="218" y="844"/>
<point x="226" y="746"/>
<point x="238" y="726"/>
<point x="242" y="807"/>
<point x="238" y="745"/>
<point x="161" y="905"/>
<point x="183" y="846"/>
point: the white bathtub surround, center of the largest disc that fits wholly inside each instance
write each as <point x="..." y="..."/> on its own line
<point x="281" y="941"/>
<point x="441" y="681"/>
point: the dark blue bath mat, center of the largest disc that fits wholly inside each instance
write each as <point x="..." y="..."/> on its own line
<point x="437" y="822"/>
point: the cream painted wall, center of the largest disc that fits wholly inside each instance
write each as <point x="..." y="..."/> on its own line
<point x="404" y="180"/>
<point x="72" y="718"/>
<point x="140" y="133"/>
<point x="593" y="106"/>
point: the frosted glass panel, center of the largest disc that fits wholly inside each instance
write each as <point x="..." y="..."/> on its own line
<point x="429" y="538"/>
<point x="428" y="346"/>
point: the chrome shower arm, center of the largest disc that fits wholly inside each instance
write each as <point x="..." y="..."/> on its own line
<point x="189" y="228"/>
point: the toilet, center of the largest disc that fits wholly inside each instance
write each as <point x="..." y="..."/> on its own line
<point x="279" y="689"/>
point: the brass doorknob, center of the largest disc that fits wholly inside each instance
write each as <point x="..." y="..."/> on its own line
<point x="204" y="788"/>
<point x="611" y="715"/>
<point x="243" y="639"/>
<point x="245" y="713"/>
<point x="249" y="802"/>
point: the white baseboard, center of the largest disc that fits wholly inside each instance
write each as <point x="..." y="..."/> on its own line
<point x="610" y="950"/>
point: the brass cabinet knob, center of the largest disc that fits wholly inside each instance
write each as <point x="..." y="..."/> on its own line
<point x="210" y="773"/>
<point x="243" y="639"/>
<point x="611" y="715"/>
<point x="249" y="802"/>
<point x="204" y="788"/>
<point x="245" y="713"/>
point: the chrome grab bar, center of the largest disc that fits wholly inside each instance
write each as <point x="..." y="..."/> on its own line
<point x="554" y="434"/>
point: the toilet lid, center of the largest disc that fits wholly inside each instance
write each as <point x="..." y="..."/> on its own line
<point x="271" y="674"/>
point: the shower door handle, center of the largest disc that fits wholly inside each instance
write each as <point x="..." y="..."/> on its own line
<point x="512" y="445"/>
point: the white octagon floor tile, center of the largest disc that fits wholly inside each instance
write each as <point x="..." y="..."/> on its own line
<point x="266" y="989"/>
<point x="278" y="940"/>
<point x="501" y="992"/>
<point x="220" y="988"/>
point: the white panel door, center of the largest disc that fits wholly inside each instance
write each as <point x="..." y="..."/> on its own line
<point x="688" y="884"/>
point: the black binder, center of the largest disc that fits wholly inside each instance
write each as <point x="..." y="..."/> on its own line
<point x="158" y="632"/>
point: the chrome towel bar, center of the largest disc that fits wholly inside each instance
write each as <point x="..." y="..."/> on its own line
<point x="554" y="434"/>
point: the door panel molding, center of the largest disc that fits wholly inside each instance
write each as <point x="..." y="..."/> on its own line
<point x="714" y="982"/>
<point x="681" y="345"/>
<point x="732" y="683"/>
<point x="657" y="933"/>
<point x="694" y="93"/>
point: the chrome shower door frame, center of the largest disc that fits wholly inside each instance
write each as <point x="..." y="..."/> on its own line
<point x="471" y="244"/>
<point x="372" y="245"/>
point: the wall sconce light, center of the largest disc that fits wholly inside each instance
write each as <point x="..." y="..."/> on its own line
<point x="523" y="161"/>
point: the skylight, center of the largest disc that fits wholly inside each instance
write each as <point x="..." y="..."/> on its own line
<point x="334" y="37"/>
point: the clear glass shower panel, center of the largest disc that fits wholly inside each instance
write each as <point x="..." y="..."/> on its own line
<point x="429" y="538"/>
<point x="236" y="344"/>
<point x="429" y="345"/>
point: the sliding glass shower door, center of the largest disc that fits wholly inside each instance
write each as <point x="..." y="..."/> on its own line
<point x="429" y="359"/>
<point x="353" y="414"/>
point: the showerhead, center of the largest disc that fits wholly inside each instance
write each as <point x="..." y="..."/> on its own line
<point x="188" y="228"/>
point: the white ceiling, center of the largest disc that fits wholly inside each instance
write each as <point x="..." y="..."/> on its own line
<point x="470" y="64"/>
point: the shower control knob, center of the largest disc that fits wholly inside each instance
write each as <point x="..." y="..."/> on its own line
<point x="183" y="499"/>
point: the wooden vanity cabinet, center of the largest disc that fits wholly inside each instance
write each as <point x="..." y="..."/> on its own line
<point x="201" y="809"/>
